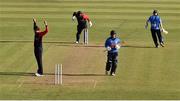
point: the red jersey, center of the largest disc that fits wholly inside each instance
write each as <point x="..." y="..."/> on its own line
<point x="38" y="37"/>
<point x="85" y="17"/>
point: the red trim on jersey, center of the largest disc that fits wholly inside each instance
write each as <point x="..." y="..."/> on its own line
<point x="85" y="17"/>
<point x="42" y="33"/>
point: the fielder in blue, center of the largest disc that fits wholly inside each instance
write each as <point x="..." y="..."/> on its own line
<point x="156" y="26"/>
<point x="112" y="46"/>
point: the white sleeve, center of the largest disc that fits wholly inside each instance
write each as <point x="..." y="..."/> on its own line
<point x="90" y="23"/>
<point x="73" y="17"/>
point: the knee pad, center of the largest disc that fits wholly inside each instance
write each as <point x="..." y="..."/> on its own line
<point x="109" y="61"/>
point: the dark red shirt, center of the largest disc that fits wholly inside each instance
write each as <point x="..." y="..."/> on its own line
<point x="38" y="37"/>
<point x="82" y="19"/>
<point x="85" y="17"/>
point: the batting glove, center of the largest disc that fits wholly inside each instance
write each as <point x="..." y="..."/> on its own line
<point x="118" y="46"/>
<point x="108" y="48"/>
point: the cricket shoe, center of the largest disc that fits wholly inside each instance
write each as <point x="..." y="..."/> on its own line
<point x="38" y="75"/>
<point x="157" y="46"/>
<point x="76" y="42"/>
<point x="162" y="44"/>
<point x="113" y="74"/>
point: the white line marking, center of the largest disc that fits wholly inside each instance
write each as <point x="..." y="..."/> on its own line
<point x="21" y="84"/>
<point x="95" y="82"/>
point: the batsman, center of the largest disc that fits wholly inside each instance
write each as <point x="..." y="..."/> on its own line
<point x="82" y="20"/>
<point x="112" y="45"/>
<point x="156" y="28"/>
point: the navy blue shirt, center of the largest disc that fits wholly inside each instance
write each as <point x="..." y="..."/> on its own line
<point x="112" y="42"/>
<point x="155" y="21"/>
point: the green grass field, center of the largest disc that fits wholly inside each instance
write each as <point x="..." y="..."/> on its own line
<point x="143" y="72"/>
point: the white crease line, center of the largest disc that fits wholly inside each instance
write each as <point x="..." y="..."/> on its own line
<point x="20" y="84"/>
<point x="95" y="82"/>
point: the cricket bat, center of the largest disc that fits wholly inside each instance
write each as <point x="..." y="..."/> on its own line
<point x="164" y="31"/>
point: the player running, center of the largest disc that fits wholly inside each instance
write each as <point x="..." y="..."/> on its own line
<point x="38" y="49"/>
<point x="112" y="46"/>
<point x="82" y="20"/>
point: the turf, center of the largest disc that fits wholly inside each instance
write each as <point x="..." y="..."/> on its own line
<point x="143" y="73"/>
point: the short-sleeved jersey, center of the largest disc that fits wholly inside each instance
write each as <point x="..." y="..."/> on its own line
<point x="155" y="21"/>
<point x="82" y="19"/>
<point x="38" y="36"/>
<point x="112" y="42"/>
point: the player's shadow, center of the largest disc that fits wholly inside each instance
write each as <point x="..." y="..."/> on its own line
<point x="136" y="46"/>
<point x="16" y="74"/>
